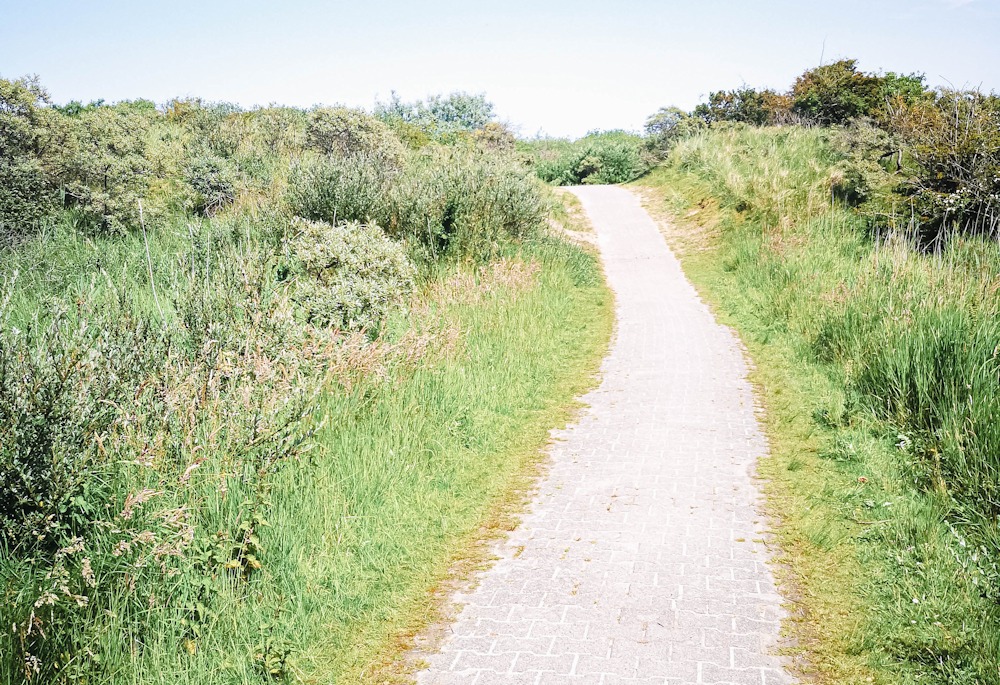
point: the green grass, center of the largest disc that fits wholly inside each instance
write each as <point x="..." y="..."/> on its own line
<point x="410" y="470"/>
<point x="876" y="364"/>
<point x="417" y="445"/>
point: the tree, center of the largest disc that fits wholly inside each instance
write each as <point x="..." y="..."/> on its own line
<point x="835" y="93"/>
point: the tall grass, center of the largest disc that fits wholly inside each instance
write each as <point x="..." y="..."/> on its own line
<point x="242" y="496"/>
<point x="893" y="353"/>
<point x="240" y="446"/>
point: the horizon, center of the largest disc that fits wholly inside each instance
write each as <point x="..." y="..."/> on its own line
<point x="561" y="71"/>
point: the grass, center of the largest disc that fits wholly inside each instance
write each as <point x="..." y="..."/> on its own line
<point x="412" y="471"/>
<point x="298" y="500"/>
<point x="880" y="469"/>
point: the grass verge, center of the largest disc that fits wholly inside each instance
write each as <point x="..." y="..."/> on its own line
<point x="876" y="558"/>
<point x="415" y="470"/>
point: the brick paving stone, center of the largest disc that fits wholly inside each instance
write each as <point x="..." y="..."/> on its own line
<point x="640" y="558"/>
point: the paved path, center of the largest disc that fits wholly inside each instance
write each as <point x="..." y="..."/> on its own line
<point x="640" y="560"/>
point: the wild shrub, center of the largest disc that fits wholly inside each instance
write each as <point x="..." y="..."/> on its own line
<point x="953" y="144"/>
<point x="835" y="93"/>
<point x="109" y="172"/>
<point x="51" y="458"/>
<point x="335" y="189"/>
<point x="213" y="181"/>
<point x="746" y="106"/>
<point x="599" y="157"/>
<point x="668" y="126"/>
<point x="33" y="142"/>
<point x="346" y="132"/>
<point x="349" y="276"/>
<point x="444" y="118"/>
<point x="444" y="201"/>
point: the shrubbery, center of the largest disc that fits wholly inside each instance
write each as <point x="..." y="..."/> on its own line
<point x="155" y="381"/>
<point x="346" y="132"/>
<point x="600" y="157"/>
<point x="348" y="276"/>
<point x="32" y="154"/>
<point x="445" y="201"/>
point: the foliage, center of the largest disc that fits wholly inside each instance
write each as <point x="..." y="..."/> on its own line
<point x="31" y="141"/>
<point x="447" y="201"/>
<point x="953" y="143"/>
<point x="345" y="132"/>
<point x="746" y="106"/>
<point x="214" y="182"/>
<point x="439" y="117"/>
<point x="668" y="126"/>
<point x="892" y="352"/>
<point x="599" y="157"/>
<point x="350" y="276"/>
<point x="109" y="172"/>
<point x="835" y="93"/>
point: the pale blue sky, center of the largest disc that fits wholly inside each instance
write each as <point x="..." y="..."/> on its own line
<point x="560" y="67"/>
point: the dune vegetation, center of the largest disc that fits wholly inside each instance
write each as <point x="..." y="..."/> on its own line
<point x="856" y="252"/>
<point x="265" y="376"/>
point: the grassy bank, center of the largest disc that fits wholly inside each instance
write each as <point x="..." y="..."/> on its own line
<point x="315" y="568"/>
<point x="266" y="379"/>
<point x="877" y="366"/>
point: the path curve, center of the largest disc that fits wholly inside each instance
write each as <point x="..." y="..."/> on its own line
<point x="640" y="560"/>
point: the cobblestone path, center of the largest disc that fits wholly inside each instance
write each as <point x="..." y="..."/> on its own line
<point x="640" y="560"/>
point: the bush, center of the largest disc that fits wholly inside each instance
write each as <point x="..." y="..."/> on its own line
<point x="349" y="275"/>
<point x="345" y="132"/>
<point x="213" y="181"/>
<point x="457" y="202"/>
<point x="668" y="126"/>
<point x="51" y="425"/>
<point x="953" y="144"/>
<point x="599" y="157"/>
<point x="444" y="118"/>
<point x="33" y="139"/>
<point x="335" y="189"/>
<point x="835" y="93"/>
<point x="109" y="172"/>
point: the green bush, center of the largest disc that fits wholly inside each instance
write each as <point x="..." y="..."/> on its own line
<point x="835" y="93"/>
<point x="109" y="172"/>
<point x="446" y="201"/>
<point x="951" y="143"/>
<point x="349" y="275"/>
<point x="33" y="140"/>
<point x="213" y="181"/>
<point x="51" y="465"/>
<point x="345" y="132"/>
<point x="669" y="126"/>
<point x="598" y="158"/>
<point x="445" y="118"/>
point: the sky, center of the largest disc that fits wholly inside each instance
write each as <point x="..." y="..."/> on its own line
<point x="552" y="68"/>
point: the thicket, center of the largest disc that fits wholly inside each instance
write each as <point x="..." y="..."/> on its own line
<point x="179" y="287"/>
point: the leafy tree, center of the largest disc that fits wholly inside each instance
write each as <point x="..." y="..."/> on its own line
<point x="835" y="93"/>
